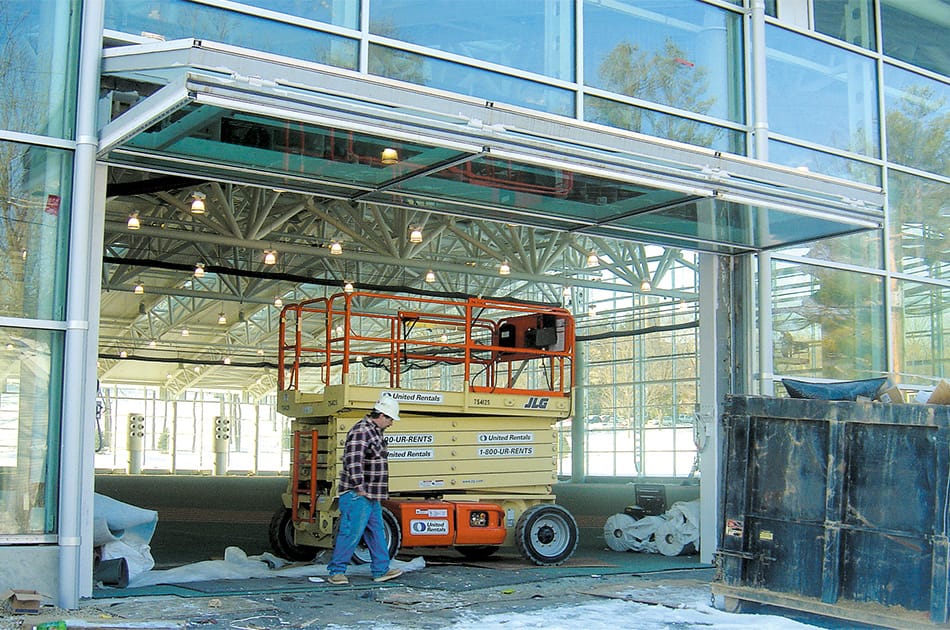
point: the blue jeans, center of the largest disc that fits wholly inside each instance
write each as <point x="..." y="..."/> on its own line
<point x="361" y="518"/>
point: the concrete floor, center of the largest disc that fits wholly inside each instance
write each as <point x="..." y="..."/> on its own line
<point x="199" y="517"/>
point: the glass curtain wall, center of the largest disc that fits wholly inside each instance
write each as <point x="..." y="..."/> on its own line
<point x="37" y="110"/>
<point x="875" y="303"/>
<point x="180" y="434"/>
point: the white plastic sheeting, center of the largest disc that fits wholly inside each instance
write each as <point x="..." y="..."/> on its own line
<point x="674" y="533"/>
<point x="238" y="565"/>
<point x="121" y="530"/>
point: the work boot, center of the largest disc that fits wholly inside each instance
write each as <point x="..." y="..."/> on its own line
<point x="338" y="578"/>
<point x="388" y="575"/>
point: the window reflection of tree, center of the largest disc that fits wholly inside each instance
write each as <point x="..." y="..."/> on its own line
<point x="667" y="77"/>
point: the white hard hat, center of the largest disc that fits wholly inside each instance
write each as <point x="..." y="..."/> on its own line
<point x="387" y="405"/>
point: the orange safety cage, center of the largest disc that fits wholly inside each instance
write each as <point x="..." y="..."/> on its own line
<point x="493" y="346"/>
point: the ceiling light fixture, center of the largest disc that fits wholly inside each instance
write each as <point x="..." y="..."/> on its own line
<point x="139" y="289"/>
<point x="430" y="276"/>
<point x="184" y="332"/>
<point x="593" y="259"/>
<point x="197" y="202"/>
<point x="348" y="287"/>
<point x="260" y="352"/>
<point x="152" y="343"/>
<point x="389" y="156"/>
<point x="226" y="360"/>
<point x="134" y="222"/>
<point x="415" y="235"/>
<point x="200" y="270"/>
<point x="270" y="257"/>
<point x="646" y="286"/>
<point x="336" y="248"/>
<point x="278" y="302"/>
<point x="123" y="355"/>
<point x="222" y="319"/>
<point x="504" y="268"/>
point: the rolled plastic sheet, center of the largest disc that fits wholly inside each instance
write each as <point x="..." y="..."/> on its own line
<point x="668" y="540"/>
<point x="630" y="534"/>
<point x="679" y="533"/>
<point x="615" y="531"/>
<point x="123" y="531"/>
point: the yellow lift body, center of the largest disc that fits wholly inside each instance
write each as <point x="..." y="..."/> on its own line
<point x="480" y="383"/>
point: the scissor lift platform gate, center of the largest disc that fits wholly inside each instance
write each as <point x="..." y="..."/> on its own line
<point x="470" y="468"/>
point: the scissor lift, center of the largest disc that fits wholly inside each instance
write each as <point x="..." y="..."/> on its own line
<point x="473" y="457"/>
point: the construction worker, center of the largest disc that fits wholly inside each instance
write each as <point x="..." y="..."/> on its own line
<point x="364" y="484"/>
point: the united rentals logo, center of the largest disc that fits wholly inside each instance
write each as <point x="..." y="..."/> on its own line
<point x="424" y="398"/>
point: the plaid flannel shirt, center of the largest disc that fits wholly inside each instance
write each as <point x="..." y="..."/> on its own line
<point x="365" y="461"/>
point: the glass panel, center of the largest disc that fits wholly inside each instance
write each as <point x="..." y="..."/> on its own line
<point x="921" y="319"/>
<point x="864" y="249"/>
<point x="39" y="43"/>
<point x="34" y="189"/>
<point x="344" y="13"/>
<point x="827" y="323"/>
<point x="560" y="199"/>
<point x="641" y="387"/>
<point x="555" y="193"/>
<point x="821" y="93"/>
<point x="824" y="163"/>
<point x="179" y="432"/>
<point x="346" y="161"/>
<point x="917" y="120"/>
<point x="462" y="79"/>
<point x="30" y="380"/>
<point x="533" y="36"/>
<point x="850" y="20"/>
<point x="916" y="32"/>
<point x="676" y="52"/>
<point x="632" y="118"/>
<point x="919" y="225"/>
<point x="172" y="19"/>
<point x="742" y="225"/>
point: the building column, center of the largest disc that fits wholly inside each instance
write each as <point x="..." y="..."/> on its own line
<point x="87" y="214"/>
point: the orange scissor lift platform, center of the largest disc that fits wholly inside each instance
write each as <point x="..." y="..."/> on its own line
<point x="480" y="384"/>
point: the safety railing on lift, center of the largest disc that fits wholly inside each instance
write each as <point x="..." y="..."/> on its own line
<point x="486" y="345"/>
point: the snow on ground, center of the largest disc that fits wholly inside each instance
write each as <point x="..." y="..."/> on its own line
<point x="613" y="614"/>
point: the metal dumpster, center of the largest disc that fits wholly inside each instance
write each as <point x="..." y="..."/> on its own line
<point x="836" y="508"/>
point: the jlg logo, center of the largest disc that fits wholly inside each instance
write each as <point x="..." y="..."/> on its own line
<point x="536" y="403"/>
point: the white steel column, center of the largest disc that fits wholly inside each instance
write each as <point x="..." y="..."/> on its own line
<point x="760" y="150"/>
<point x="711" y="353"/>
<point x="87" y="213"/>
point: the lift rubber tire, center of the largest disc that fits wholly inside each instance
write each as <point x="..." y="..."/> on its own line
<point x="546" y="534"/>
<point x="281" y="536"/>
<point x="477" y="552"/>
<point x="393" y="539"/>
